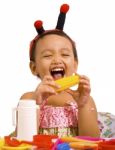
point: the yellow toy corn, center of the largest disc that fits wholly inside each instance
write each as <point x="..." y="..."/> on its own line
<point x="67" y="82"/>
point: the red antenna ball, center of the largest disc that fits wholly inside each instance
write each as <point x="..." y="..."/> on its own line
<point x="38" y="24"/>
<point x="64" y="8"/>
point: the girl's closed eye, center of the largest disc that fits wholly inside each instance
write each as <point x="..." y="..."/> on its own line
<point x="65" y="55"/>
<point x="48" y="55"/>
<point x="65" y="52"/>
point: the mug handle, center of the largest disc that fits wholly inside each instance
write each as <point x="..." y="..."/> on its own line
<point x="14" y="110"/>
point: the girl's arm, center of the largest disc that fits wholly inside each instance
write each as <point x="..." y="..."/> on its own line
<point x="87" y="113"/>
<point x="87" y="120"/>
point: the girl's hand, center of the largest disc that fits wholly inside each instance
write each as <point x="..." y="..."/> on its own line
<point x="82" y="94"/>
<point x="45" y="89"/>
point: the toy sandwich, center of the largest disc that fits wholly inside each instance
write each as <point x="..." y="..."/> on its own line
<point x="67" y="82"/>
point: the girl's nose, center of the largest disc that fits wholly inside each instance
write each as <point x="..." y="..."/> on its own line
<point x="57" y="60"/>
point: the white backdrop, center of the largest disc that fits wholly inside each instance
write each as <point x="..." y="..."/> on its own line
<point x="91" y="24"/>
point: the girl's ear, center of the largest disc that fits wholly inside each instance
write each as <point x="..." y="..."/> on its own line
<point x="33" y="67"/>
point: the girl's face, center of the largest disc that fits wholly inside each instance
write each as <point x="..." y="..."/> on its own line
<point x="54" y="56"/>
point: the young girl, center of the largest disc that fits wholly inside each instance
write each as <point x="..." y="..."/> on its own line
<point x="52" y="56"/>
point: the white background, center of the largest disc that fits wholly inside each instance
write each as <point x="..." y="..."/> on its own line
<point x="91" y="24"/>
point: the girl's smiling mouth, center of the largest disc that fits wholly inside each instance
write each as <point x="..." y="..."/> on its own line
<point x="57" y="72"/>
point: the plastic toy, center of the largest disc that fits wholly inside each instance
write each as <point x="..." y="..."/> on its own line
<point x="67" y="82"/>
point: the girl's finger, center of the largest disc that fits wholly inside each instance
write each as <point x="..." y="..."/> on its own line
<point x="52" y="84"/>
<point x="84" y="77"/>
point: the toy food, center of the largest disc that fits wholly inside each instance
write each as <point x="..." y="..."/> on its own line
<point x="76" y="144"/>
<point x="70" y="139"/>
<point x="83" y="145"/>
<point x="67" y="82"/>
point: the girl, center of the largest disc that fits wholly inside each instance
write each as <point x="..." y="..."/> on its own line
<point x="52" y="56"/>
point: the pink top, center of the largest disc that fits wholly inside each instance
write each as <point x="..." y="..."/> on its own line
<point x="52" y="117"/>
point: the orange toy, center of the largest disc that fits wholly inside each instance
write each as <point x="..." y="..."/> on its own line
<point x="83" y="145"/>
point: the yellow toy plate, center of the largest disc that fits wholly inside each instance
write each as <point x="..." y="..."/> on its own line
<point x="21" y="147"/>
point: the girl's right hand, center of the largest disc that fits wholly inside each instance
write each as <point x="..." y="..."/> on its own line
<point x="45" y="89"/>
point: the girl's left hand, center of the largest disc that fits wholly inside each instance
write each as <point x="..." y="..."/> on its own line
<point x="82" y="94"/>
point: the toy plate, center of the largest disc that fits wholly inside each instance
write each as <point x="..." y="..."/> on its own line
<point x="21" y="147"/>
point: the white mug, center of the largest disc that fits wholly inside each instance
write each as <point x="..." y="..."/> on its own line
<point x="26" y="119"/>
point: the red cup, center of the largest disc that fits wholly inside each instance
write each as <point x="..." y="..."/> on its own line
<point x="44" y="141"/>
<point x="41" y="137"/>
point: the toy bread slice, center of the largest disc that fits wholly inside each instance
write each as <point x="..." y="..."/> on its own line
<point x="67" y="82"/>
